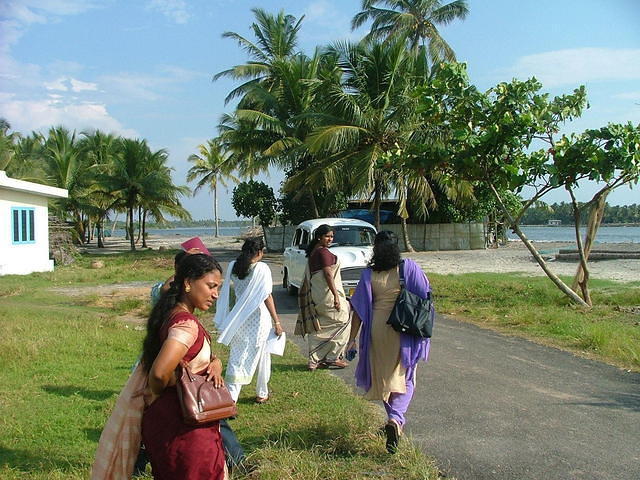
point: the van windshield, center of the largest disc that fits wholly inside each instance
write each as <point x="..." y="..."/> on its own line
<point x="353" y="235"/>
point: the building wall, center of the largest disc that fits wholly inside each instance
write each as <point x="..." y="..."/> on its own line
<point x="24" y="258"/>
<point x="423" y="237"/>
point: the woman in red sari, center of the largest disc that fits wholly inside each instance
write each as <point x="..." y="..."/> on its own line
<point x="176" y="450"/>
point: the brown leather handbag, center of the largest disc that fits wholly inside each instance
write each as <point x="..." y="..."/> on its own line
<point x="200" y="401"/>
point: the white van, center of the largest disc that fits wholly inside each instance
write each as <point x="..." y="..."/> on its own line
<point x="352" y="244"/>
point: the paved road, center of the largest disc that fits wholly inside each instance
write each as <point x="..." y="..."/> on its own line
<point x="489" y="406"/>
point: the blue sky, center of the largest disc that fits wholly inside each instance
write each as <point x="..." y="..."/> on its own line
<point x="143" y="68"/>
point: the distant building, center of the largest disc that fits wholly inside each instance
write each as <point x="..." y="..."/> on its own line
<point x="555" y="223"/>
<point x="24" y="225"/>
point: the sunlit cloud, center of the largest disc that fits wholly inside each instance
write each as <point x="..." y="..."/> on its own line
<point x="579" y="65"/>
<point x="175" y="10"/>
<point x="28" y="115"/>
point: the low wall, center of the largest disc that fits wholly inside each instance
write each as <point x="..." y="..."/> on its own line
<point x="423" y="237"/>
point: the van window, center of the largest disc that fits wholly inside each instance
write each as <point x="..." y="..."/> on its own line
<point x="296" y="237"/>
<point x="305" y="238"/>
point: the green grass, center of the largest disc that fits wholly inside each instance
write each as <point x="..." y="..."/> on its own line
<point x="65" y="359"/>
<point x="534" y="308"/>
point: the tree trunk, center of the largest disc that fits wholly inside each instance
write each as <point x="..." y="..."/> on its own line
<point x="596" y="213"/>
<point x="376" y="206"/>
<point x="100" y="232"/>
<point x="131" y="239"/>
<point x="215" y="209"/>
<point x="563" y="287"/>
<point x="405" y="236"/>
<point x="584" y="280"/>
<point x="139" y="224"/>
<point x="144" y="229"/>
<point x="314" y="205"/>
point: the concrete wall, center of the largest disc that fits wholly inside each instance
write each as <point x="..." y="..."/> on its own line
<point x="24" y="258"/>
<point x="423" y="237"/>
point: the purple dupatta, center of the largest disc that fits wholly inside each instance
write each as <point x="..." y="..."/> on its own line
<point x="412" y="349"/>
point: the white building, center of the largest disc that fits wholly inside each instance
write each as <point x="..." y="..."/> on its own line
<point x="24" y="225"/>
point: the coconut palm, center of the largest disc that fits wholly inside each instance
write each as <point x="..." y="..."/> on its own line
<point x="415" y="20"/>
<point x="160" y="196"/>
<point x="7" y="144"/>
<point x="366" y="115"/>
<point x="276" y="39"/>
<point x="212" y="166"/>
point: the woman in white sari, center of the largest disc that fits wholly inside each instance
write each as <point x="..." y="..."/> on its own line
<point x="246" y="326"/>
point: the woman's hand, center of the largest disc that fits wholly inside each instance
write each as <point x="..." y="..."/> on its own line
<point x="336" y="302"/>
<point x="278" y="329"/>
<point x="214" y="373"/>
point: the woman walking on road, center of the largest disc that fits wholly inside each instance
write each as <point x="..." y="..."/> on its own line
<point x="324" y="310"/>
<point x="245" y="328"/>
<point x="387" y="365"/>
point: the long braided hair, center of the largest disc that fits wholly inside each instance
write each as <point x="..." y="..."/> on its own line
<point x="250" y="248"/>
<point x="191" y="267"/>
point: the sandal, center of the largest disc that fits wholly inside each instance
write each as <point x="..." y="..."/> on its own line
<point x="339" y="363"/>
<point x="311" y="366"/>
<point x="392" y="430"/>
<point x="261" y="400"/>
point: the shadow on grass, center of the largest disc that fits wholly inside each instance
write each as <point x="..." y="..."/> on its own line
<point x="28" y="461"/>
<point x="325" y="439"/>
<point x="92" y="434"/>
<point x="71" y="390"/>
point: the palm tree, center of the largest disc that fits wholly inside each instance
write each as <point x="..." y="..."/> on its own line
<point x="415" y="20"/>
<point x="7" y="144"/>
<point x="132" y="174"/>
<point x="212" y="167"/>
<point x="98" y="151"/>
<point x="276" y="39"/>
<point x="160" y="195"/>
<point x="366" y="115"/>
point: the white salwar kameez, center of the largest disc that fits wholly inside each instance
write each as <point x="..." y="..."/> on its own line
<point x="245" y="328"/>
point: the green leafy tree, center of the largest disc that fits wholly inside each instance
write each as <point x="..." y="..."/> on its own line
<point x="211" y="167"/>
<point x="255" y="199"/>
<point x="487" y="138"/>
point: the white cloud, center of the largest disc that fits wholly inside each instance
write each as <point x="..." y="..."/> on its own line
<point x="175" y="10"/>
<point x="579" y="65"/>
<point x="18" y="15"/>
<point x="58" y="84"/>
<point x="28" y="115"/>
<point x="133" y="86"/>
<point x="80" y="86"/>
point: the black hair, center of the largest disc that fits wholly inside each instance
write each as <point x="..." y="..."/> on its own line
<point x="191" y="267"/>
<point x="178" y="258"/>
<point x="321" y="231"/>
<point x="386" y="253"/>
<point x="251" y="247"/>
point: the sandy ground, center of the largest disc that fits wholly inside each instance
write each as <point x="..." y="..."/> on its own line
<point x="512" y="258"/>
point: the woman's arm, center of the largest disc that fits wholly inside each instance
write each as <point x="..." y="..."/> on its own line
<point x="161" y="374"/>
<point x="328" y="275"/>
<point x="271" y="306"/>
<point x="355" y="328"/>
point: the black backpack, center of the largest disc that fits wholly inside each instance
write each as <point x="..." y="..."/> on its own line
<point x="412" y="314"/>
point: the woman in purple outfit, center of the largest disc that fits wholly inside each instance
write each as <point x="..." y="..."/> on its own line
<point x="386" y="369"/>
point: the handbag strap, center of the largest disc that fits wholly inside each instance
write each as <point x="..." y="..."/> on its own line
<point x="401" y="274"/>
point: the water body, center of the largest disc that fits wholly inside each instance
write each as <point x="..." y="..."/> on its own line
<point x="187" y="232"/>
<point x="542" y="233"/>
<point x="538" y="233"/>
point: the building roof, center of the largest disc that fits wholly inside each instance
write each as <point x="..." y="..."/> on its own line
<point x="31" y="187"/>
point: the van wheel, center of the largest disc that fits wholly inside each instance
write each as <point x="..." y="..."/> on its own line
<point x="291" y="290"/>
